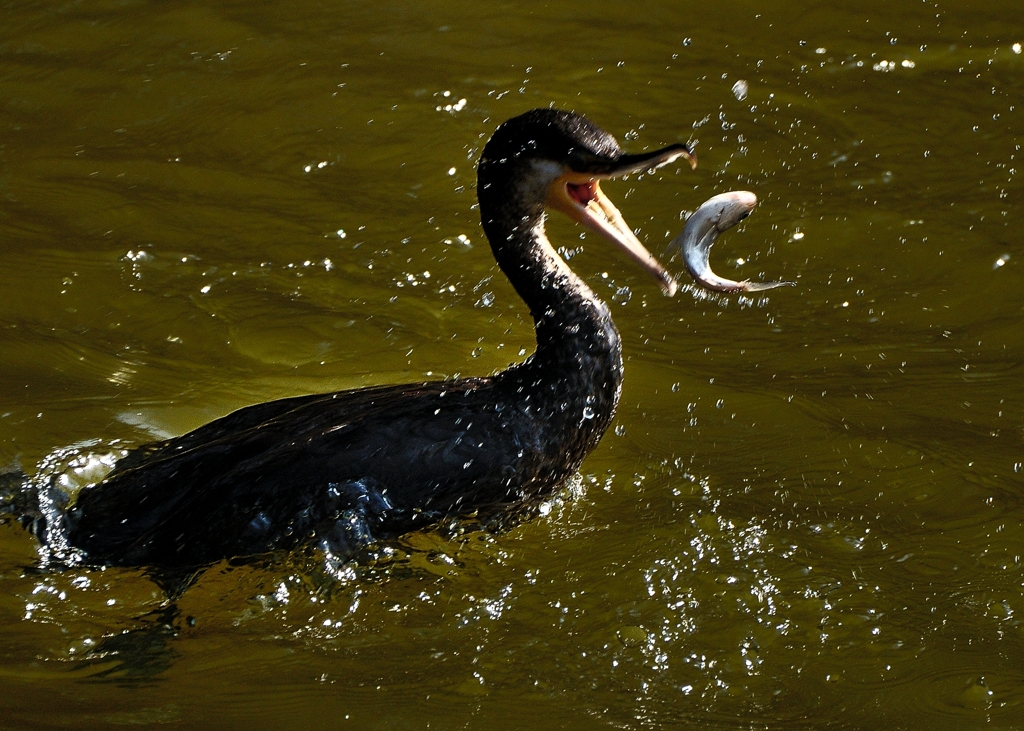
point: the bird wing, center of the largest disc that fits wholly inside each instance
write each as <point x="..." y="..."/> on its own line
<point x="379" y="461"/>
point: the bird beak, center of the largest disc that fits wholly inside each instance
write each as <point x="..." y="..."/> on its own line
<point x="579" y="196"/>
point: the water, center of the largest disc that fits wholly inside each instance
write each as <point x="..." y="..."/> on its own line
<point x="809" y="512"/>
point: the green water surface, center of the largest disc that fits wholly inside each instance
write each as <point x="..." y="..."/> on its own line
<point x="809" y="511"/>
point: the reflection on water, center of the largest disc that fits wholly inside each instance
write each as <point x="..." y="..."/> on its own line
<point x="809" y="511"/>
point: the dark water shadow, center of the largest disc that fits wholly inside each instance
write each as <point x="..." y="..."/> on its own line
<point x="135" y="656"/>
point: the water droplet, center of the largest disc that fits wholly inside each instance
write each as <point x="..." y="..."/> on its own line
<point x="739" y="90"/>
<point x="675" y="387"/>
<point x="720" y="403"/>
<point x="620" y="431"/>
<point x="1017" y="466"/>
<point x="632" y="636"/>
<point x="978" y="696"/>
<point x="588" y="413"/>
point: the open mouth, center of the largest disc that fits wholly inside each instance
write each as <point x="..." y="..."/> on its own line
<point x="579" y="196"/>
<point x="582" y="193"/>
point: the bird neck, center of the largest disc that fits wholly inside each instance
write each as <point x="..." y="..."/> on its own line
<point x="577" y="366"/>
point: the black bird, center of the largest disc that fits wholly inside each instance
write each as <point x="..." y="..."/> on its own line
<point x="342" y="470"/>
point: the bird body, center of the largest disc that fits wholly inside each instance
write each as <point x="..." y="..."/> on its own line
<point x="335" y="468"/>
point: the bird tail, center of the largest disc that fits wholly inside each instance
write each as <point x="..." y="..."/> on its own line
<point x="19" y="499"/>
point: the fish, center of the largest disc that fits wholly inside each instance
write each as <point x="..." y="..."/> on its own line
<point x="714" y="217"/>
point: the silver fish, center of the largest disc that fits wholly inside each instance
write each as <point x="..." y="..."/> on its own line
<point x="715" y="216"/>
